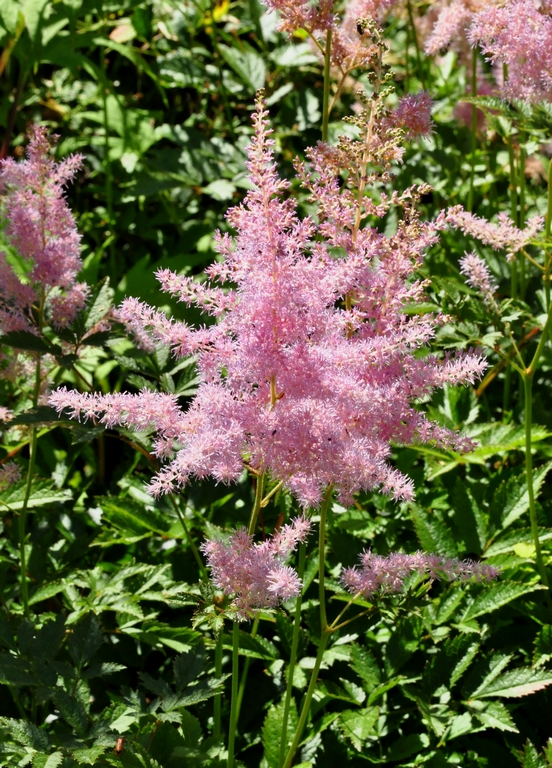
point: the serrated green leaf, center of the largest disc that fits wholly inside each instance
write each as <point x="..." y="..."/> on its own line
<point x="15" y="671"/>
<point x="43" y="492"/>
<point x="433" y="534"/>
<point x="470" y="519"/>
<point x="203" y="690"/>
<point x="494" y="714"/>
<point x="105" y="668"/>
<point x="128" y="515"/>
<point x="30" y="343"/>
<point x="357" y="725"/>
<point x="71" y="710"/>
<point x="530" y="758"/>
<point x="406" y="637"/>
<point x="85" y="640"/>
<point x="272" y="732"/>
<point x="511" y="499"/>
<point x="497" y="595"/>
<point x="247" y="64"/>
<point x="516" y="683"/>
<point x="54" y="760"/>
<point x="254" y="647"/>
<point x="25" y="733"/>
<point x="365" y="666"/>
<point x="513" y="539"/>
<point x="46" y="591"/>
<point x="188" y="667"/>
<point x="87" y="756"/>
<point x="39" y="415"/>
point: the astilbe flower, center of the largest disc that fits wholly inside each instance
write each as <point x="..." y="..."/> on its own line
<point x="41" y="228"/>
<point x="518" y="34"/>
<point x="313" y="367"/>
<point x="413" y="114"/>
<point x="478" y="276"/>
<point x="10" y="473"/>
<point x="387" y="575"/>
<point x="503" y="235"/>
<point x="255" y="575"/>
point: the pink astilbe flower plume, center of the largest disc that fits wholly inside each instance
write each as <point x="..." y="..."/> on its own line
<point x="478" y="276"/>
<point x="41" y="228"/>
<point x="387" y="575"/>
<point x="255" y="575"/>
<point x="314" y="365"/>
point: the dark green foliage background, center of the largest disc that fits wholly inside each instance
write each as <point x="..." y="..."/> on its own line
<point x="157" y="97"/>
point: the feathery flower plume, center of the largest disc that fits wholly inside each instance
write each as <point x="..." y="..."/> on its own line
<point x="478" y="276"/>
<point x="256" y="574"/>
<point x="387" y="575"/>
<point x="10" y="473"/>
<point x="313" y="367"/>
<point x="413" y="114"/>
<point x="501" y="236"/>
<point x="518" y="33"/>
<point x="41" y="228"/>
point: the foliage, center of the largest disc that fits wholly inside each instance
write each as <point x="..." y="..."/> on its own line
<point x="122" y="652"/>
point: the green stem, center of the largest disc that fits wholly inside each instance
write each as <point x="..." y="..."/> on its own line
<point x="325" y="630"/>
<point x="292" y="657"/>
<point x="321" y="557"/>
<point x="416" y="44"/>
<point x="528" y="391"/>
<point x="246" y="665"/>
<point x="202" y="570"/>
<point x="256" y="504"/>
<point x="326" y="95"/>
<point x="217" y="703"/>
<point x="234" y="702"/>
<point x="473" y="129"/>
<point x="29" y="484"/>
<point x="548" y="222"/>
<point x="308" y="698"/>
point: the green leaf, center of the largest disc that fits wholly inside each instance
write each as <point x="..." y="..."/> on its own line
<point x="404" y="640"/>
<point x="188" y="667"/>
<point x="15" y="671"/>
<point x="433" y="534"/>
<point x="365" y="666"/>
<point x="85" y="640"/>
<point x="407" y="746"/>
<point x="30" y="343"/>
<point x="513" y="539"/>
<point x="357" y="725"/>
<point x="516" y="683"/>
<point x="497" y="595"/>
<point x="43" y="492"/>
<point x="494" y="714"/>
<point x="25" y="733"/>
<point x="40" y="415"/>
<point x="511" y="499"/>
<point x="46" y="592"/>
<point x="87" y="756"/>
<point x="48" y="639"/>
<point x="71" y="710"/>
<point x="105" y="668"/>
<point x="272" y="732"/>
<point x="254" y="647"/>
<point x="129" y="515"/>
<point x="530" y="758"/>
<point x="470" y="519"/>
<point x="205" y="689"/>
<point x="247" y="64"/>
<point x="54" y="760"/>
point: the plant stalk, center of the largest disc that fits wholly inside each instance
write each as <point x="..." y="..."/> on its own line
<point x="326" y="94"/>
<point x="217" y="702"/>
<point x="292" y="657"/>
<point x="234" y="702"/>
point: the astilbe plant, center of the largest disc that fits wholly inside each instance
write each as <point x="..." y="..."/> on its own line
<point x="38" y="280"/>
<point x="313" y="367"/>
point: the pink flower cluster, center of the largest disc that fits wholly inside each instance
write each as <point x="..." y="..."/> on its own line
<point x="518" y="34"/>
<point x="315" y="363"/>
<point x="515" y="33"/>
<point x="255" y="574"/>
<point x="10" y="473"/>
<point x="40" y="227"/>
<point x="500" y="236"/>
<point x="478" y="276"/>
<point x="387" y="575"/>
